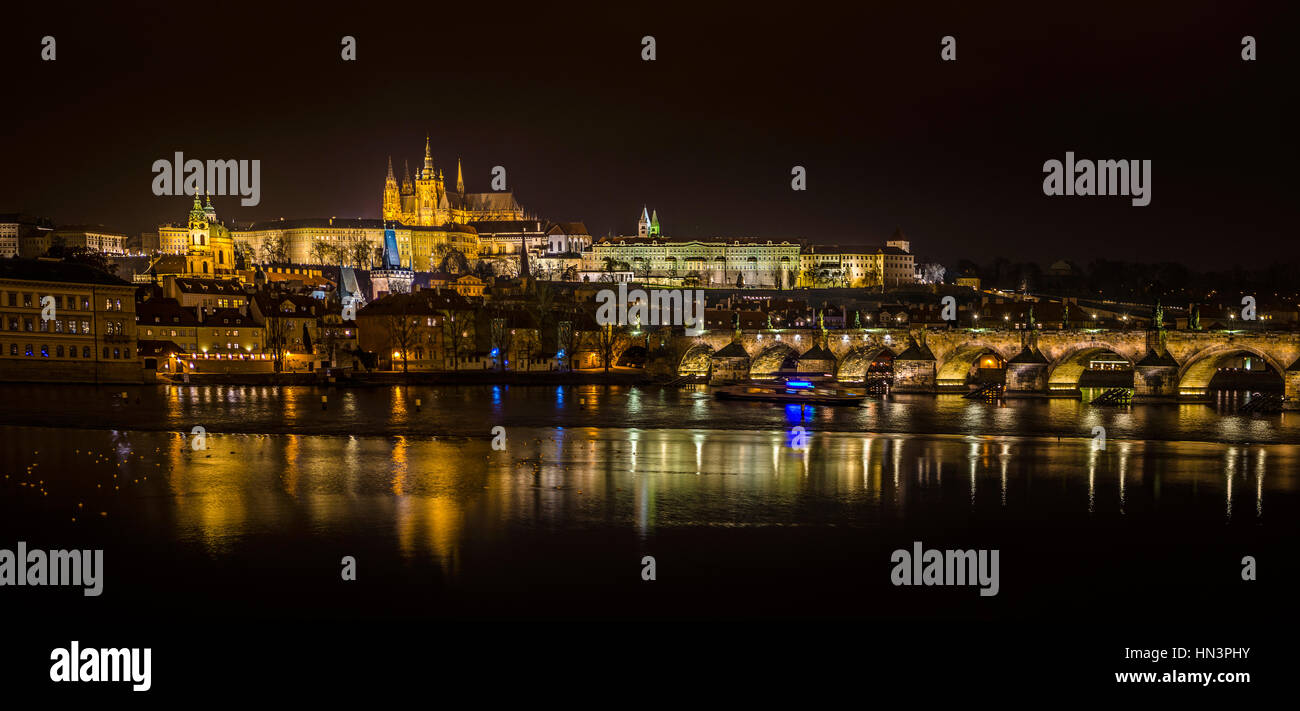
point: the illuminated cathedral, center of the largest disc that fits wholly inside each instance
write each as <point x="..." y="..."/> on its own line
<point x="427" y="202"/>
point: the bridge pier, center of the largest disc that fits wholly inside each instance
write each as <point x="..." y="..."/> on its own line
<point x="915" y="370"/>
<point x="1154" y="383"/>
<point x="1027" y="374"/>
<point x="1291" y="387"/>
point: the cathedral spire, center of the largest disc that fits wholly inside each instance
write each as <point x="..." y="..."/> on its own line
<point x="390" y="169"/>
<point x="460" y="178"/>
<point x="406" y="181"/>
<point x="428" y="159"/>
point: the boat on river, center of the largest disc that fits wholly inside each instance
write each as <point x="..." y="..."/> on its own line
<point x="792" y="391"/>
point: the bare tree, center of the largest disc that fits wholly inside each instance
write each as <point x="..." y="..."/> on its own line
<point x="275" y="250"/>
<point x="320" y="251"/>
<point x="278" y="330"/>
<point x="608" y="341"/>
<point x="362" y="253"/>
<point x="405" y="332"/>
<point x="458" y="328"/>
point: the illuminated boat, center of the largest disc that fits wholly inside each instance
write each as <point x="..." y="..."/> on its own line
<point x="792" y="391"/>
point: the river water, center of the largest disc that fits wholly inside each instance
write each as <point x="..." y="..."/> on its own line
<point x="741" y="518"/>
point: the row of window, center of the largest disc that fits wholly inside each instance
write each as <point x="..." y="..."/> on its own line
<point x="65" y="301"/>
<point x="216" y="332"/>
<point x="30" y="323"/>
<point x="113" y="353"/>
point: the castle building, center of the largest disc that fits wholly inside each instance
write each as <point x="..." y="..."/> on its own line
<point x="355" y="242"/>
<point x="426" y="201"/>
<point x="752" y="263"/>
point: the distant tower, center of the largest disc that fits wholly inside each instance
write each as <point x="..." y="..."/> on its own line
<point x="208" y="210"/>
<point x="643" y="224"/>
<point x="198" y="224"/>
<point x="654" y="224"/>
<point x="460" y="179"/>
<point x="426" y="198"/>
<point x="523" y="257"/>
<point x="392" y="196"/>
<point x="900" y="241"/>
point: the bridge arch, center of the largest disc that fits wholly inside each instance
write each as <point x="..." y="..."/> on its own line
<point x="957" y="365"/>
<point x="1195" y="375"/>
<point x="1067" y="371"/>
<point x="769" y="361"/>
<point x="697" y="360"/>
<point x="853" y="367"/>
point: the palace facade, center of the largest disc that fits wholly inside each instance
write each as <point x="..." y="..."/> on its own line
<point x="353" y="242"/>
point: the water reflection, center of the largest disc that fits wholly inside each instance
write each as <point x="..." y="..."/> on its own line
<point x="427" y="496"/>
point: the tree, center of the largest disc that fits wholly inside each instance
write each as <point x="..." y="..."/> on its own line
<point x="278" y="329"/>
<point x="243" y="254"/>
<point x="405" y="332"/>
<point x="570" y="342"/>
<point x="320" y="251"/>
<point x="529" y="341"/>
<point x="458" y="329"/>
<point x="275" y="250"/>
<point x="440" y="251"/>
<point x="362" y="253"/>
<point x="607" y="341"/>
<point x="59" y="249"/>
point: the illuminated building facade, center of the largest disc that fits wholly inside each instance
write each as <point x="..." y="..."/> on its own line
<point x="426" y="201"/>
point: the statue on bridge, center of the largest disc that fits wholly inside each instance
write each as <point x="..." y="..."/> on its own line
<point x="1159" y="317"/>
<point x="1196" y="317"/>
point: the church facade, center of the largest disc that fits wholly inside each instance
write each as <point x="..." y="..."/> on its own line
<point x="206" y="243"/>
<point x="427" y="201"/>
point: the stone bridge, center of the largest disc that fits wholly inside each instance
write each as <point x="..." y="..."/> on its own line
<point x="1166" y="365"/>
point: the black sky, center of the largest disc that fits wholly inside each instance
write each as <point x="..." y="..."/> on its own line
<point x="707" y="134"/>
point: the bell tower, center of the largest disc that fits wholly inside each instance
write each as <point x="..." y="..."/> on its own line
<point x="392" y="205"/>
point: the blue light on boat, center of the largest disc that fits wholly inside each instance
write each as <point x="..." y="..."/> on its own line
<point x="798" y="384"/>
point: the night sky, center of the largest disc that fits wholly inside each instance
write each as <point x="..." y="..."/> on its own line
<point x="707" y="134"/>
